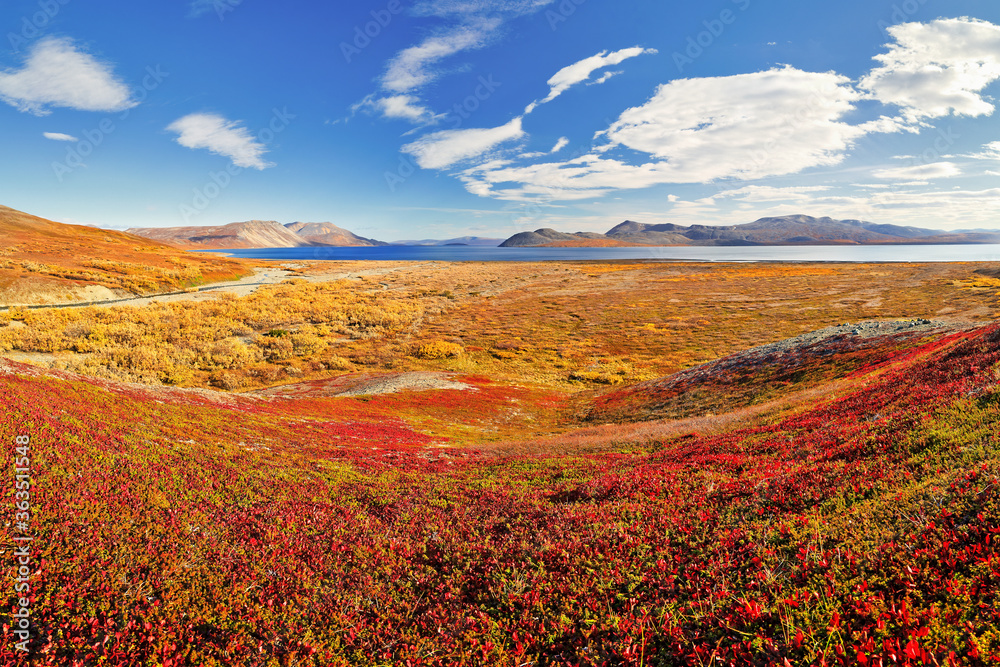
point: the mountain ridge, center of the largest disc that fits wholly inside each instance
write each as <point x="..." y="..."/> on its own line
<point x="778" y="230"/>
<point x="254" y="234"/>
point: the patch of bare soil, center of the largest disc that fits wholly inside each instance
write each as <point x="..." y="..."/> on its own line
<point x="367" y="384"/>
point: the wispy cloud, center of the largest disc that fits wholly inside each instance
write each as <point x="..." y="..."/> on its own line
<point x="938" y="68"/>
<point x="581" y="70"/>
<point x="466" y="25"/>
<point x="59" y="136"/>
<point x="222" y="137"/>
<point x="440" y="150"/>
<point x="198" y="8"/>
<point x="56" y="73"/>
<point x="411" y="68"/>
<point x="561" y="144"/>
<point x="991" y="151"/>
<point x="920" y="172"/>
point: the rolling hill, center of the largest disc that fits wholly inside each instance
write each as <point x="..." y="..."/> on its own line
<point x="329" y="234"/>
<point x="42" y="261"/>
<point x="852" y="523"/>
<point x="255" y="234"/>
<point x="784" y="230"/>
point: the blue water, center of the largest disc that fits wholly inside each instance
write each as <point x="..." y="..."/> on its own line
<point x="872" y="253"/>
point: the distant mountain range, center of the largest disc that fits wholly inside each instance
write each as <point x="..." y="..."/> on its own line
<point x="461" y="240"/>
<point x="272" y="234"/>
<point x="255" y="234"/>
<point x="785" y="230"/>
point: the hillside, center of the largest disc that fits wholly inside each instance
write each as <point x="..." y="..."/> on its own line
<point x="42" y="261"/>
<point x="255" y="234"/>
<point x="329" y="234"/>
<point x="785" y="230"/>
<point x="853" y="523"/>
<point x="251" y="234"/>
<point x="548" y="236"/>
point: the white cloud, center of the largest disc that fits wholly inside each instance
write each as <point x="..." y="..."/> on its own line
<point x="581" y="70"/>
<point x="469" y="25"/>
<point x="59" y="136"/>
<point x="473" y="7"/>
<point x="561" y="144"/>
<point x="411" y="69"/>
<point x="58" y="74"/>
<point x="991" y="151"/>
<point x="605" y="77"/>
<point x="222" y="137"/>
<point x="440" y="150"/>
<point x="746" y="126"/>
<point x="920" y="171"/>
<point x="406" y="107"/>
<point x="938" y="68"/>
<point x="766" y="193"/>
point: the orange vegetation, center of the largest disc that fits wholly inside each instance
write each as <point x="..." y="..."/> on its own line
<point x="43" y="261"/>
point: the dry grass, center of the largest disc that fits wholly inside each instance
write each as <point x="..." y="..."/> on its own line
<point x="565" y="325"/>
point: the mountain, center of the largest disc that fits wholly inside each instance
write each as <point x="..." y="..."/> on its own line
<point x="550" y="237"/>
<point x="784" y="230"/>
<point x="329" y="234"/>
<point x="42" y="261"/>
<point x="255" y="234"/>
<point x="461" y="240"/>
<point x="251" y="234"/>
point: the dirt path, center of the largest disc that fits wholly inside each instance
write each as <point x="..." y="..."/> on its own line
<point x="242" y="287"/>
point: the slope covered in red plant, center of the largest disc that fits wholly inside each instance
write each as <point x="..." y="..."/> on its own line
<point x="176" y="529"/>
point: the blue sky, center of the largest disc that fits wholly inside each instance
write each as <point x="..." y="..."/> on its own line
<point x="439" y="118"/>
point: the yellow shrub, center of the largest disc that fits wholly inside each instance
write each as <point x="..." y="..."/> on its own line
<point x="440" y="349"/>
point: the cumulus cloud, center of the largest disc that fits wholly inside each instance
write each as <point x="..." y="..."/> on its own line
<point x="222" y="137"/>
<point x="440" y="150"/>
<point x="746" y="126"/>
<point x="582" y="70"/>
<point x="56" y="73"/>
<point x="561" y="144"/>
<point x="59" y="136"/>
<point x="920" y="172"/>
<point x="938" y="68"/>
